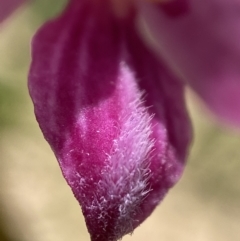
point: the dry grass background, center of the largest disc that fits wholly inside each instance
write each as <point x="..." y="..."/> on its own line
<point x="37" y="205"/>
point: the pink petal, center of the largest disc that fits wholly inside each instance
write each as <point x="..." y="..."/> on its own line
<point x="113" y="115"/>
<point x="202" y="44"/>
<point x="7" y="7"/>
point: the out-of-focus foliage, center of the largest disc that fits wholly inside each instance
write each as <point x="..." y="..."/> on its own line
<point x="36" y="203"/>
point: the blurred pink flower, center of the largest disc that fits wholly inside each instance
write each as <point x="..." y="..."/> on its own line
<point x="200" y="42"/>
<point x="114" y="113"/>
<point x="7" y="7"/>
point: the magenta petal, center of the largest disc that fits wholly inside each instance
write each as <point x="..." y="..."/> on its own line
<point x="174" y="8"/>
<point x="113" y="115"/>
<point x="7" y="7"/>
<point x="203" y="46"/>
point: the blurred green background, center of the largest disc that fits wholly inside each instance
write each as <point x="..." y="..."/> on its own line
<point x="37" y="205"/>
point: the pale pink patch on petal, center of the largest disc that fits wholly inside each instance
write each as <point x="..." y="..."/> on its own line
<point x="113" y="115"/>
<point x="202" y="45"/>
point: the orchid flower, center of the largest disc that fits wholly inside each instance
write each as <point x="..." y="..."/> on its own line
<point x="110" y="102"/>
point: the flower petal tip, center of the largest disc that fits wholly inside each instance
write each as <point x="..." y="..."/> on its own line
<point x="8" y="6"/>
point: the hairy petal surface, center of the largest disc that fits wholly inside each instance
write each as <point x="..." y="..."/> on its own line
<point x="201" y="43"/>
<point x="170" y="124"/>
<point x="113" y="115"/>
<point x="7" y="7"/>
